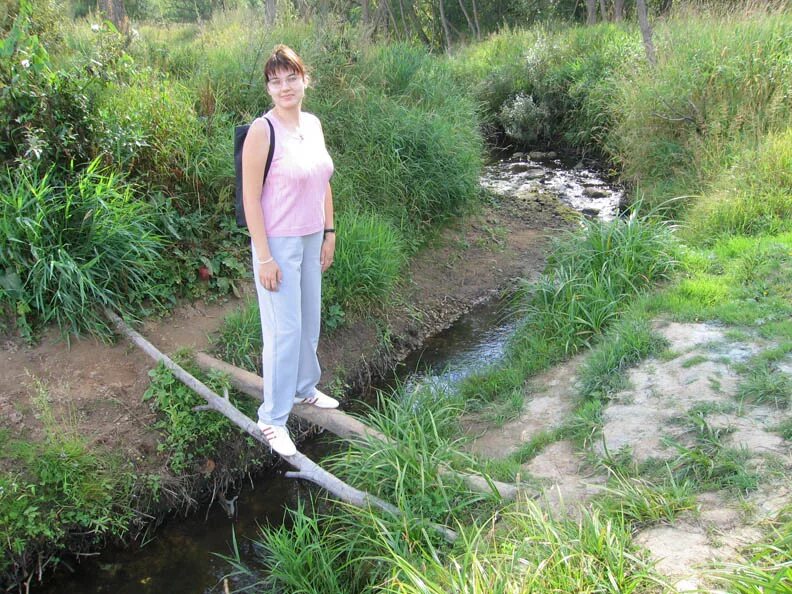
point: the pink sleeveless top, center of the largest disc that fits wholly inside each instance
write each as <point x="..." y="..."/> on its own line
<point x="293" y="196"/>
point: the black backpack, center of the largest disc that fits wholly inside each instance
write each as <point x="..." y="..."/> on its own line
<point x="240" y="133"/>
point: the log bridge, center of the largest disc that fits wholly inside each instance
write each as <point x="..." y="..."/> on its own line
<point x="333" y="420"/>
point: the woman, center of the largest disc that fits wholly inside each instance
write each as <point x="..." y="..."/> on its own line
<point x="290" y="221"/>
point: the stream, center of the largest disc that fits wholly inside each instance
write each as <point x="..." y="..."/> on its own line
<point x="182" y="558"/>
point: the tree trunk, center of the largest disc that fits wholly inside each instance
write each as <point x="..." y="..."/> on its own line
<point x="307" y="469"/>
<point x="618" y="10"/>
<point x="444" y="23"/>
<point x="340" y="423"/>
<point x="115" y="12"/>
<point x="604" y="10"/>
<point x="646" y="31"/>
<point x="476" y="20"/>
<point x="471" y="26"/>
<point x="365" y="16"/>
<point x="270" y="12"/>
<point x="591" y="12"/>
<point x="417" y="24"/>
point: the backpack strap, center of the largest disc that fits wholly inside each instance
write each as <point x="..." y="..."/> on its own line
<point x="271" y="151"/>
<point x="240" y="134"/>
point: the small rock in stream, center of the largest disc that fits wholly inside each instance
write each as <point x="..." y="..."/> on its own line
<point x="590" y="212"/>
<point x="528" y="172"/>
<point x="542" y="156"/>
<point x="595" y="193"/>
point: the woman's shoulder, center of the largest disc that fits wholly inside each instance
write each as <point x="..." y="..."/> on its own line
<point x="312" y="119"/>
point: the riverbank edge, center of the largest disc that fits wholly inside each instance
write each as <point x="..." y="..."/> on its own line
<point x="391" y="334"/>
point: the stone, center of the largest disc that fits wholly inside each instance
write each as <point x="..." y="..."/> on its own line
<point x="593" y="192"/>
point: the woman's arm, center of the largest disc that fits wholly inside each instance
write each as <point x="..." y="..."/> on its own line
<point x="328" y="245"/>
<point x="254" y="160"/>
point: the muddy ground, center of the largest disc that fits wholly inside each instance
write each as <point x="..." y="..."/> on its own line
<point x="695" y="376"/>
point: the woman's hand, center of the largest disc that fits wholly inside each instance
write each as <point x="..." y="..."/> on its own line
<point x="328" y="251"/>
<point x="270" y="275"/>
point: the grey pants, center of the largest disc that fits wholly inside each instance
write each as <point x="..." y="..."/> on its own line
<point x="290" y="321"/>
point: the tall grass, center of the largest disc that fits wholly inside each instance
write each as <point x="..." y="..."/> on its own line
<point x="591" y="274"/>
<point x="69" y="249"/>
<point x="721" y="85"/>
<point x="423" y="430"/>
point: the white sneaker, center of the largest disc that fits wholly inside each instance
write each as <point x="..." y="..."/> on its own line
<point x="318" y="400"/>
<point x="278" y="438"/>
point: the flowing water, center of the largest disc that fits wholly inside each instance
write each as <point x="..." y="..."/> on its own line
<point x="182" y="558"/>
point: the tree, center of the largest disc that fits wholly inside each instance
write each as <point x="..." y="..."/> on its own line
<point x="270" y="12"/>
<point x="591" y="12"/>
<point x="618" y="10"/>
<point x="646" y="31"/>
<point x="604" y="10"/>
<point x="115" y="12"/>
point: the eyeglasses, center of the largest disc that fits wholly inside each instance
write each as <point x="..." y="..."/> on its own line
<point x="278" y="83"/>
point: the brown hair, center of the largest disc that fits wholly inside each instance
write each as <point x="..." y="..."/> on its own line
<point x="284" y="58"/>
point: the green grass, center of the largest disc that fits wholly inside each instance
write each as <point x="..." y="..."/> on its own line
<point x="768" y="567"/>
<point x="424" y="434"/>
<point x="58" y="493"/>
<point x="642" y="502"/>
<point x="66" y="250"/>
<point x="766" y="384"/>
<point x="707" y="463"/>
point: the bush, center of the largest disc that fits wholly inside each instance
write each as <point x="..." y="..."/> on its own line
<point x="369" y="256"/>
<point x="68" y="250"/>
<point x="147" y="129"/>
<point x="65" y="488"/>
<point x="721" y="85"/>
<point x="592" y="273"/>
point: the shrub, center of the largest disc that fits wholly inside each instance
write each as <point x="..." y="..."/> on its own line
<point x="65" y="488"/>
<point x="147" y="129"/>
<point x="67" y="250"/>
<point x="592" y="273"/>
<point x="369" y="256"/>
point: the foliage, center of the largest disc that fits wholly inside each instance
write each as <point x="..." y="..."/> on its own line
<point x="547" y="84"/>
<point x="59" y="487"/>
<point x="67" y="250"/>
<point x="189" y="437"/>
<point x="591" y="274"/>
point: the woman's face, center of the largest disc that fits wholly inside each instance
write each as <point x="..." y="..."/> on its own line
<point x="287" y="88"/>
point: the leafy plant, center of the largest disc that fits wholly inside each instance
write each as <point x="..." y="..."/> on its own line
<point x="189" y="436"/>
<point x="68" y="250"/>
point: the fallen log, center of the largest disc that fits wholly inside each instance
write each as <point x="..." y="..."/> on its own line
<point x="342" y="424"/>
<point x="307" y="468"/>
